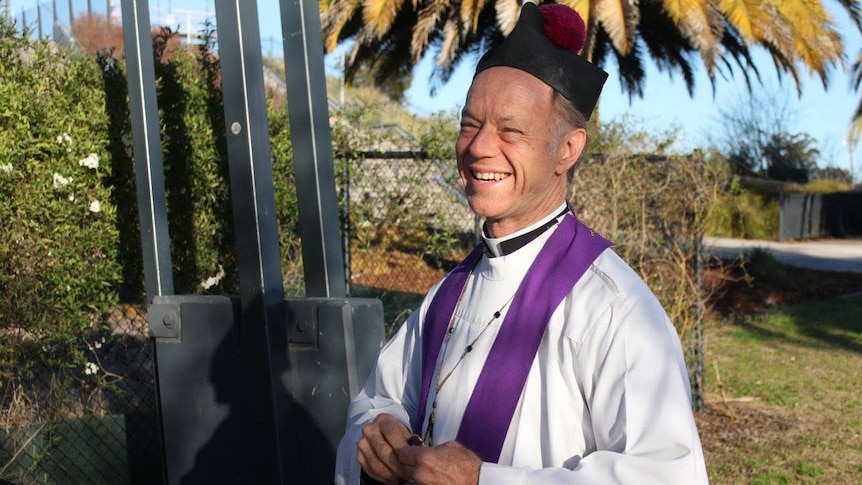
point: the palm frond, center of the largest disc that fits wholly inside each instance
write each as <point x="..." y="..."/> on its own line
<point x="430" y="17"/>
<point x="333" y="18"/>
<point x="507" y="14"/>
<point x="378" y="15"/>
<point x="470" y="12"/>
<point x="583" y="7"/>
<point x="451" y="42"/>
<point x="735" y="49"/>
<point x="742" y="14"/>
<point x="695" y="20"/>
<point x="854" y="8"/>
<point x="619" y="19"/>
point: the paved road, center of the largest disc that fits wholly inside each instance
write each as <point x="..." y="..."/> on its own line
<point x="826" y="254"/>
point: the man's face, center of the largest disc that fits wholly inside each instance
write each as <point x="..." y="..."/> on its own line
<point x="511" y="157"/>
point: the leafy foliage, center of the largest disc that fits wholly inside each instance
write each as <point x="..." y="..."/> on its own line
<point x="653" y="207"/>
<point x="757" y="138"/>
<point x="58" y="248"/>
<point x="745" y="213"/>
<point x="791" y="158"/>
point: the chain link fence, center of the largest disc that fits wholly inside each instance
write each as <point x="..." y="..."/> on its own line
<point x="97" y="425"/>
<point x="405" y="223"/>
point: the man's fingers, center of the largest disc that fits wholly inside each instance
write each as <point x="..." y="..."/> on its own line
<point x="408" y="455"/>
<point x="393" y="431"/>
<point x="376" y="449"/>
<point x="378" y="470"/>
<point x="377" y="453"/>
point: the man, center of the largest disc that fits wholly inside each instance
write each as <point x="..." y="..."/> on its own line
<point x="542" y="358"/>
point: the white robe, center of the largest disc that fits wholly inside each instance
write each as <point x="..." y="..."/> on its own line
<point x="607" y="399"/>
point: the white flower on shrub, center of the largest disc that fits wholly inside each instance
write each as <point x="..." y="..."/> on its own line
<point x="92" y="161"/>
<point x="91" y="369"/>
<point x="95" y="206"/>
<point x="61" y="181"/>
<point x="65" y="138"/>
<point x="6" y="168"/>
<point x="71" y="197"/>
<point x="213" y="280"/>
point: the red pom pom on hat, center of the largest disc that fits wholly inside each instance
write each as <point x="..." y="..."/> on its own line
<point x="564" y="26"/>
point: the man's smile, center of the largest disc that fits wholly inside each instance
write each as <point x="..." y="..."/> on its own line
<point x="489" y="176"/>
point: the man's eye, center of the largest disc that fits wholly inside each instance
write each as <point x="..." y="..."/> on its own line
<point x="511" y="130"/>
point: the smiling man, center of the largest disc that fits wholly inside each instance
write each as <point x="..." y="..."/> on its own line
<point x="541" y="358"/>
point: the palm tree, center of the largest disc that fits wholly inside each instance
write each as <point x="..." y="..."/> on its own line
<point x="855" y="130"/>
<point x="391" y="36"/>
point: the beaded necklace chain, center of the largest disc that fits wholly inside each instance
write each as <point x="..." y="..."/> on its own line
<point x="429" y="432"/>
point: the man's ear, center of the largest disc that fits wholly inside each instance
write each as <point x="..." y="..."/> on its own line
<point x="573" y="144"/>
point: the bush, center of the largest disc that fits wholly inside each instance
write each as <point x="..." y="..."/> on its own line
<point x="744" y="213"/>
<point x="58" y="247"/>
<point x="821" y="186"/>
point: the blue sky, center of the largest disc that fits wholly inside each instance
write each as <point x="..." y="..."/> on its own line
<point x="823" y="113"/>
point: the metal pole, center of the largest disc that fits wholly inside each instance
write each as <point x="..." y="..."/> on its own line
<point x="345" y="226"/>
<point x="256" y="227"/>
<point x="39" y="20"/>
<point x="312" y="149"/>
<point x="149" y="173"/>
<point x="150" y="178"/>
<point x="698" y="391"/>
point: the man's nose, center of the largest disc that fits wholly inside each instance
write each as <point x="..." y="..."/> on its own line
<point x="484" y="142"/>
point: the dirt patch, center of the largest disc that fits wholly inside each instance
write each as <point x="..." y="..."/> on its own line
<point x="726" y="426"/>
<point x="736" y="287"/>
<point x="393" y="271"/>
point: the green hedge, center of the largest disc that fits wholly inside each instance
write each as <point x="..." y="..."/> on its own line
<point x="59" y="268"/>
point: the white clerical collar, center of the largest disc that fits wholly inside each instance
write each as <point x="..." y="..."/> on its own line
<point x="501" y="246"/>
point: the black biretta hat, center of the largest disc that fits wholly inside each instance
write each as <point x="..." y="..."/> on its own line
<point x="530" y="49"/>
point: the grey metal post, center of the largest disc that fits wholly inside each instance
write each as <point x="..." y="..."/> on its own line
<point x="698" y="392"/>
<point x="253" y="199"/>
<point x="312" y="149"/>
<point x="150" y="178"/>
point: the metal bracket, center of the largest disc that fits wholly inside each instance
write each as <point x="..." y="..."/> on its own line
<point x="302" y="326"/>
<point x="165" y="320"/>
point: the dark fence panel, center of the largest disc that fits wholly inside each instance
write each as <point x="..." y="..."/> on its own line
<point x="808" y="216"/>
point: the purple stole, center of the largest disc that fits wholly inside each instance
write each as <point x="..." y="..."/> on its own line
<point x="566" y="256"/>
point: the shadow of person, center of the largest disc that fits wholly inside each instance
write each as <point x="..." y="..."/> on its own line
<point x="215" y="432"/>
<point x="218" y="425"/>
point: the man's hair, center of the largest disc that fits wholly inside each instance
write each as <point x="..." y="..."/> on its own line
<point x="569" y="117"/>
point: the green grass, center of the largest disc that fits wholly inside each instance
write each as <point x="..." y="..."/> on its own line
<point x="802" y="368"/>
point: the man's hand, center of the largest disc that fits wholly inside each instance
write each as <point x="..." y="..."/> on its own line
<point x="448" y="464"/>
<point x="377" y="456"/>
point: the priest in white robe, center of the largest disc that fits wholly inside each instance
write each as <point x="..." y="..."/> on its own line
<point x="543" y="357"/>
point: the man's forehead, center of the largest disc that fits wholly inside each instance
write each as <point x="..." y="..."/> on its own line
<point x="501" y="85"/>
